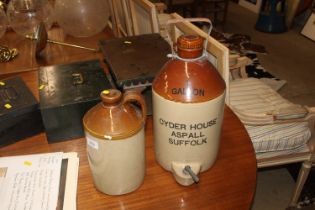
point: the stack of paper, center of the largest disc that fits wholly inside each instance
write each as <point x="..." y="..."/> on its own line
<point x="39" y="182"/>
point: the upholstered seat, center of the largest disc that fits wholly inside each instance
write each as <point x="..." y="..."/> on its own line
<point x="281" y="132"/>
<point x="256" y="103"/>
<point x="278" y="137"/>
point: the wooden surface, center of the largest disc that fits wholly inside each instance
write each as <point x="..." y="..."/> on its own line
<point x="52" y="54"/>
<point x="229" y="184"/>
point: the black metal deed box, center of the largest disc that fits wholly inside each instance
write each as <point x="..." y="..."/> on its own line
<point x="66" y="92"/>
<point x="134" y="61"/>
<point x="19" y="114"/>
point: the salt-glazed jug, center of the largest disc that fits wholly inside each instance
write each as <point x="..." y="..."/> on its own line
<point x="188" y="106"/>
<point x="114" y="131"/>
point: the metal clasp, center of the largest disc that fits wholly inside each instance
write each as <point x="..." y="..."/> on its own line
<point x="77" y="79"/>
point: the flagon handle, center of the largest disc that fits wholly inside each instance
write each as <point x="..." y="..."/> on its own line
<point x="135" y="96"/>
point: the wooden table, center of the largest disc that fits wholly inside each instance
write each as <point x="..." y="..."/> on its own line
<point x="229" y="184"/>
<point x="52" y="54"/>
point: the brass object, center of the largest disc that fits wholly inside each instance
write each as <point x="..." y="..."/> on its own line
<point x="41" y="38"/>
<point x="2" y="4"/>
<point x="7" y="54"/>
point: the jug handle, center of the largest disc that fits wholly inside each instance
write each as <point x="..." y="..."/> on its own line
<point x="134" y="95"/>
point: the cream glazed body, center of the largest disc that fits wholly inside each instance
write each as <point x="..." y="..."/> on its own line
<point x="187" y="134"/>
<point x="118" y="166"/>
<point x="114" y="131"/>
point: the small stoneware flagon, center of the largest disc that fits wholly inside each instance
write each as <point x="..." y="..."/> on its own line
<point x="114" y="131"/>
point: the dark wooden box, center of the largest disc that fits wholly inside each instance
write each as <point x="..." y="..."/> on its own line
<point x="134" y="61"/>
<point x="19" y="114"/>
<point x="66" y="92"/>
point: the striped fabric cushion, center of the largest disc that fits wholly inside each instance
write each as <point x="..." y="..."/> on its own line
<point x="255" y="103"/>
<point x="276" y="137"/>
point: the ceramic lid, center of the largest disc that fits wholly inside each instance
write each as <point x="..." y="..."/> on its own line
<point x="115" y="117"/>
<point x="189" y="46"/>
<point x="191" y="78"/>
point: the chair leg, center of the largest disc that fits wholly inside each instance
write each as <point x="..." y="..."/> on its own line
<point x="303" y="174"/>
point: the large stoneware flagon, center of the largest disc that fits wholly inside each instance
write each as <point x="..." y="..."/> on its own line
<point x="188" y="102"/>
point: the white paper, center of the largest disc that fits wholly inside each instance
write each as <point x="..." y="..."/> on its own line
<point x="30" y="182"/>
<point x="70" y="198"/>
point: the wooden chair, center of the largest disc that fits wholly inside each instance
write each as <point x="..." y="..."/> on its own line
<point x="120" y="19"/>
<point x="144" y="17"/>
<point x="287" y="129"/>
<point x="281" y="132"/>
<point x="184" y="7"/>
<point x="215" y="10"/>
<point x="237" y="65"/>
<point x="135" y="17"/>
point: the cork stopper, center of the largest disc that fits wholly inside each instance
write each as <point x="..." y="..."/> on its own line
<point x="189" y="46"/>
<point x="111" y="96"/>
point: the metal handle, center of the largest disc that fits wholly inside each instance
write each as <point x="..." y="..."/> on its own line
<point x="41" y="38"/>
<point x="72" y="45"/>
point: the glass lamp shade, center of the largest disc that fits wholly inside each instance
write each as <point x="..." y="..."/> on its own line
<point x="82" y="18"/>
<point x="3" y="22"/>
<point x="25" y="15"/>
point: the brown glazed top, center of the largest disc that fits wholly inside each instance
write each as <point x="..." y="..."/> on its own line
<point x="189" y="81"/>
<point x="189" y="46"/>
<point x="115" y="117"/>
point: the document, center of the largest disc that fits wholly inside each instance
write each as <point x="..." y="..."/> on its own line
<point x="32" y="182"/>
